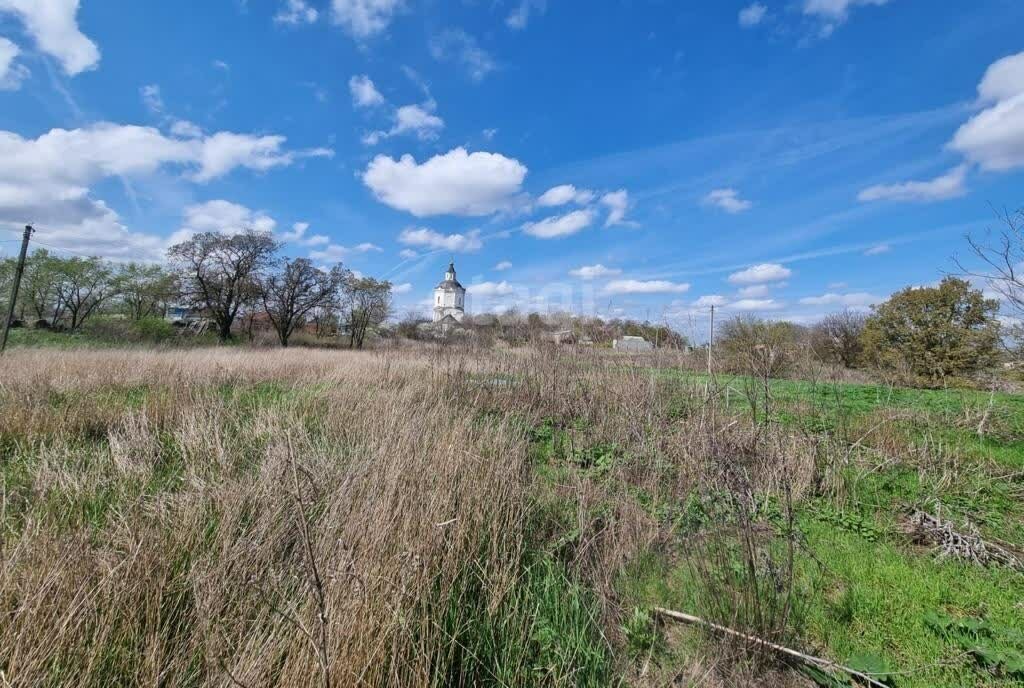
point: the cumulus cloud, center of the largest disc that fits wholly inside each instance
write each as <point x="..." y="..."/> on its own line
<point x="752" y="15"/>
<point x="728" y="200"/>
<point x="589" y="272"/>
<point x="994" y="138"/>
<point x="949" y="185"/>
<point x="296" y="13"/>
<point x="53" y="25"/>
<point x="336" y="253"/>
<point x="630" y="286"/>
<point x="414" y="119"/>
<point x="224" y="151"/>
<point x="491" y="289"/>
<point x="428" y="238"/>
<point x="519" y="17"/>
<point x="297" y="235"/>
<point x="565" y="193"/>
<point x="709" y="300"/>
<point x="11" y="74"/>
<point x="364" y="18"/>
<point x="186" y="129"/>
<point x="364" y="92"/>
<point x="455" y="183"/>
<point x="503" y="265"/>
<point x="755" y="305"/>
<point x="458" y="46"/>
<point x="223" y="217"/>
<point x="854" y="300"/>
<point x="560" y="226"/>
<point x="49" y="178"/>
<point x="754" y="291"/>
<point x="617" y="203"/>
<point x="408" y="254"/>
<point x="403" y="288"/>
<point x="761" y="274"/>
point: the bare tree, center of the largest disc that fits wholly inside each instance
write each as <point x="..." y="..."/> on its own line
<point x="367" y="304"/>
<point x="837" y="338"/>
<point x="218" y="271"/>
<point x="1003" y="252"/>
<point x="296" y="290"/>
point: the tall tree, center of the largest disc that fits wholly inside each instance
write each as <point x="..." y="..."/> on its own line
<point x="146" y="289"/>
<point x="83" y="285"/>
<point x="217" y="272"/>
<point x="367" y="304"/>
<point x="294" y="291"/>
<point x="42" y="272"/>
<point x="934" y="333"/>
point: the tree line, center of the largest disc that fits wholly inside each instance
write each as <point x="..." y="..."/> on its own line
<point x="222" y="279"/>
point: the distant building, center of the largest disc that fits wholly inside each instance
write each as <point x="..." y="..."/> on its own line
<point x="449" y="298"/>
<point x="632" y="343"/>
<point x="182" y="315"/>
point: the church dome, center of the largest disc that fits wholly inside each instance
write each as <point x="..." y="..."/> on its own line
<point x="450" y="283"/>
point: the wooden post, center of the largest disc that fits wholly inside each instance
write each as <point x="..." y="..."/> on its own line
<point x="18" y="272"/>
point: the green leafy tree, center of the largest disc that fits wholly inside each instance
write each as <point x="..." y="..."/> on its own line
<point x="39" y="285"/>
<point x="933" y="334"/>
<point x="146" y="289"/>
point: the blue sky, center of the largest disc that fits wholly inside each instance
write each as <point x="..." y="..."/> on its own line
<point x="782" y="157"/>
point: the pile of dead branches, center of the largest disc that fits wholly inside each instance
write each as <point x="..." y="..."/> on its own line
<point x="960" y="544"/>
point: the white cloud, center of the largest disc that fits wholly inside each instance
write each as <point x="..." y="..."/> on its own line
<point x="364" y="18"/>
<point x="832" y="13"/>
<point x="428" y="238"/>
<point x="457" y="45"/>
<point x="503" y="265"/>
<point x="364" y="92"/>
<point x="186" y="129"/>
<point x="752" y="15"/>
<point x="754" y="291"/>
<point x="151" y="98"/>
<point x="53" y="26"/>
<point x="630" y="286"/>
<point x="403" y="288"/>
<point x="949" y="185"/>
<point x="520" y="15"/>
<point x="297" y="235"/>
<point x="565" y="193"/>
<point x="855" y="300"/>
<point x="410" y="119"/>
<point x="755" y="305"/>
<point x="222" y="152"/>
<point x="11" y="74"/>
<point x="560" y="226"/>
<point x="491" y="289"/>
<point x="221" y="216"/>
<point x="456" y="183"/>
<point x="877" y="249"/>
<point x="296" y="12"/>
<point x="408" y="254"/>
<point x="728" y="200"/>
<point x="709" y="300"/>
<point x="335" y="253"/>
<point x="994" y="138"/>
<point x="589" y="272"/>
<point x="760" y="274"/>
<point x="617" y="203"/>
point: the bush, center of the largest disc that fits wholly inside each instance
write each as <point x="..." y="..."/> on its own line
<point x="148" y="330"/>
<point x="751" y="346"/>
<point x="932" y="335"/>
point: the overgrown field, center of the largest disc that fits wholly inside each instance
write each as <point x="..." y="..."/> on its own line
<point x="504" y="518"/>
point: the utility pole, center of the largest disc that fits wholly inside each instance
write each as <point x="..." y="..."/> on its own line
<point x="711" y="337"/>
<point x="18" y="272"/>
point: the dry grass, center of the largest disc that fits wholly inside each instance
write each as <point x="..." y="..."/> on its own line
<point x="257" y="518"/>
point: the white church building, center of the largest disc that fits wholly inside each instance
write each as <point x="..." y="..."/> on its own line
<point x="449" y="298"/>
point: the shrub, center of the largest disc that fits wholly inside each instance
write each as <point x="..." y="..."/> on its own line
<point x="933" y="334"/>
<point x="751" y="346"/>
